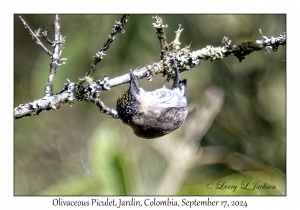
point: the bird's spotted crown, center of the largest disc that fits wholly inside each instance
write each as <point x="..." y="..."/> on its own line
<point x="126" y="106"/>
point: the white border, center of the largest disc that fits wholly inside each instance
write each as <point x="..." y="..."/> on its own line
<point x="293" y="88"/>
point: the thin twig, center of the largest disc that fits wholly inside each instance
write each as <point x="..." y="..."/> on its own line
<point x="35" y="36"/>
<point x="161" y="36"/>
<point x="118" y="28"/>
<point x="58" y="46"/>
<point x="45" y="35"/>
<point x="104" y="109"/>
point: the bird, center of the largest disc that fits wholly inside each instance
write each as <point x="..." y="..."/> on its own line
<point x="153" y="114"/>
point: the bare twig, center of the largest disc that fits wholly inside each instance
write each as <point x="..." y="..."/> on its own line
<point x="118" y="28"/>
<point x="58" y="46"/>
<point x="45" y="35"/>
<point x="104" y="109"/>
<point x="36" y="36"/>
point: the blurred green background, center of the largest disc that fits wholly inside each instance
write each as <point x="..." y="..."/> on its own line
<point x="79" y="151"/>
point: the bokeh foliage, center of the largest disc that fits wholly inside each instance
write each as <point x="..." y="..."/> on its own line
<point x="79" y="151"/>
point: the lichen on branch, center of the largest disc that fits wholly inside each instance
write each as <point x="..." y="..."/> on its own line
<point x="89" y="90"/>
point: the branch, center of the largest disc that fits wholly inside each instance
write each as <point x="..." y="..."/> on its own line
<point x="161" y="36"/>
<point x="186" y="60"/>
<point x="58" y="47"/>
<point x="46" y="103"/>
<point x="36" y="36"/>
<point x="119" y="27"/>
